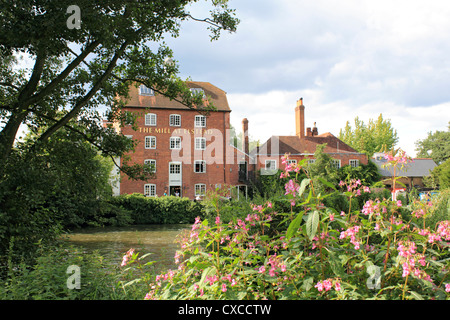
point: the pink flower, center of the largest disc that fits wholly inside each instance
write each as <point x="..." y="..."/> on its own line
<point x="224" y="287"/>
<point x="332" y="217"/>
<point x="337" y="286"/>
<point x="262" y="269"/>
<point x="399" y="203"/>
<point x="127" y="257"/>
<point x="217" y="220"/>
<point x="447" y="287"/>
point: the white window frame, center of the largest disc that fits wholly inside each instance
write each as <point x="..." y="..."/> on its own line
<point x="200" y="143"/>
<point x="175" y="120"/>
<point x="175" y="143"/>
<point x="202" y="164"/>
<point x="144" y="91"/>
<point x="337" y="163"/>
<point x="150" y="142"/>
<point x="200" y="121"/>
<point x="150" y="119"/>
<point x="274" y="167"/>
<point x="292" y="161"/>
<point x="311" y="161"/>
<point x="353" y="163"/>
<point x="150" y="162"/>
<point x="150" y="190"/>
<point x="199" y="187"/>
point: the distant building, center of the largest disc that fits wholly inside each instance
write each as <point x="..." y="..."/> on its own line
<point x="190" y="152"/>
<point x="303" y="146"/>
<point x="412" y="173"/>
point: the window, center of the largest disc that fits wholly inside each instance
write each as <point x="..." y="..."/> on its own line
<point x="150" y="119"/>
<point x="311" y="161"/>
<point x="354" y="163"/>
<point x="175" y="120"/>
<point x="200" y="121"/>
<point x="271" y="164"/>
<point x="144" y="91"/>
<point x="197" y="91"/>
<point x="150" y="190"/>
<point x="174" y="168"/>
<point x="200" y="166"/>
<point x="151" y="162"/>
<point x="200" y="143"/>
<point x="175" y="143"/>
<point x="336" y="163"/>
<point x="150" y="142"/>
<point x="292" y="161"/>
<point x="200" y="189"/>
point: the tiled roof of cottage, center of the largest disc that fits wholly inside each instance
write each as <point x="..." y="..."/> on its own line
<point x="305" y="145"/>
<point x="158" y="101"/>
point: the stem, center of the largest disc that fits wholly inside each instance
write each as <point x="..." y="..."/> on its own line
<point x="404" y="287"/>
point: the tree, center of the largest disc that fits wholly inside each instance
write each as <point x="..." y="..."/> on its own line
<point x="76" y="70"/>
<point x="440" y="176"/>
<point x="322" y="168"/>
<point x="436" y="146"/>
<point x="79" y="66"/>
<point x="376" y="136"/>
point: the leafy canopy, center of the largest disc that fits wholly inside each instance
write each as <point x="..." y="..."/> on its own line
<point x="76" y="71"/>
<point x="369" y="138"/>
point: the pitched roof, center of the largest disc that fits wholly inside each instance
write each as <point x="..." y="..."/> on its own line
<point x="159" y="101"/>
<point x="305" y="145"/>
<point x="421" y="167"/>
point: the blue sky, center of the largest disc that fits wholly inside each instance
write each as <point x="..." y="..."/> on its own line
<point x="345" y="58"/>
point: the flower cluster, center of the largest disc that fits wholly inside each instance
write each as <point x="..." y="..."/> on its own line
<point x="354" y="186"/>
<point x="327" y="285"/>
<point x="127" y="257"/>
<point x="373" y="207"/>
<point x="351" y="232"/>
<point x="398" y="157"/>
<point x="275" y="262"/>
<point x="409" y="257"/>
<point x="289" y="167"/>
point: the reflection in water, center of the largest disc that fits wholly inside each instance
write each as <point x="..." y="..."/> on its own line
<point x="114" y="242"/>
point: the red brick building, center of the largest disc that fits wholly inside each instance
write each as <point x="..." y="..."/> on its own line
<point x="190" y="153"/>
<point x="303" y="145"/>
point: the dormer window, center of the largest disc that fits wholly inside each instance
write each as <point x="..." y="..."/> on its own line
<point x="198" y="91"/>
<point x="144" y="91"/>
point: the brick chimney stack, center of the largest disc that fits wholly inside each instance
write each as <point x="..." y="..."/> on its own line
<point x="300" y="119"/>
<point x="245" y="136"/>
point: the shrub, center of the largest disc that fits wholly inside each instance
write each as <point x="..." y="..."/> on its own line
<point x="379" y="252"/>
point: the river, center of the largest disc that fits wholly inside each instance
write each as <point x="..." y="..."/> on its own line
<point x="114" y="242"/>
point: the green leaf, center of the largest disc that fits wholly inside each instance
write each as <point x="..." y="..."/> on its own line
<point x="311" y="224"/>
<point x="416" y="296"/>
<point x="294" y="225"/>
<point x="325" y="182"/>
<point x="303" y="185"/>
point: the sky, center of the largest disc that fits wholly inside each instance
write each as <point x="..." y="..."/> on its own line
<point x="346" y="59"/>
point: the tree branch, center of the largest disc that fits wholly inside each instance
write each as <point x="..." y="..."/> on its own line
<point x="79" y="58"/>
<point x="83" y="102"/>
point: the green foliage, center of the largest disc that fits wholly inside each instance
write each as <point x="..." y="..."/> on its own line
<point x="61" y="187"/>
<point x="47" y="278"/>
<point x="375" y="136"/>
<point x="440" y="176"/>
<point x="162" y="210"/>
<point x="382" y="252"/>
<point x="439" y="145"/>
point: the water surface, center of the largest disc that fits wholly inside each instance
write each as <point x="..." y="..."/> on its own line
<point x="114" y="242"/>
